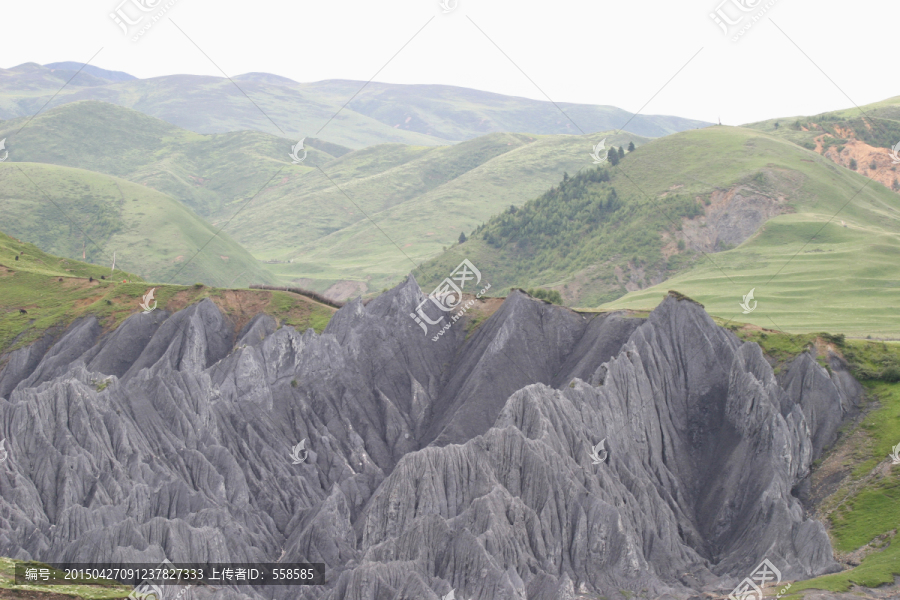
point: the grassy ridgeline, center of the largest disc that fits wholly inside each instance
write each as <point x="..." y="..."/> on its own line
<point x="67" y="212"/>
<point x="54" y="291"/>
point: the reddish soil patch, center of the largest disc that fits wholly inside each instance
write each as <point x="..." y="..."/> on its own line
<point x="884" y="171"/>
<point x="241" y="305"/>
<point x="483" y="307"/>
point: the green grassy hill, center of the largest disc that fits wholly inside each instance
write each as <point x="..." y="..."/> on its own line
<point x="381" y="113"/>
<point x="54" y="291"/>
<point x="419" y="198"/>
<point x="845" y="280"/>
<point x="75" y="213"/>
<point x="208" y="173"/>
<point x="808" y="273"/>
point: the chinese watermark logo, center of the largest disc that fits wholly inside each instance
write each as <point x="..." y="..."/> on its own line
<point x="126" y="19"/>
<point x="152" y="591"/>
<point x="599" y="453"/>
<point x="147" y="591"/>
<point x="746" y="303"/>
<point x="895" y="158"/>
<point x="596" y="153"/>
<point x="447" y="6"/>
<point x="895" y="455"/>
<point x="739" y="17"/>
<point x="299" y="453"/>
<point x="448" y="296"/>
<point x="294" y="150"/>
<point x="751" y="587"/>
<point x="3" y="453"/>
<point x="4" y="150"/>
<point x="145" y="302"/>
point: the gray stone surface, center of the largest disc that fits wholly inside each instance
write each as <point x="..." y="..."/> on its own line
<point x="462" y="463"/>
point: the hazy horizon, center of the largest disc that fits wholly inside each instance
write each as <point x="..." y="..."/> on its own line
<point x="689" y="68"/>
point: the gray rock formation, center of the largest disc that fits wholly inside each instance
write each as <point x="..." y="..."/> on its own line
<point x="462" y="463"/>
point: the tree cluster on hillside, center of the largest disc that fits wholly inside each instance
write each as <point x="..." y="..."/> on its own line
<point x="581" y="222"/>
<point x="576" y="203"/>
<point x="879" y="133"/>
<point x="551" y="296"/>
<point x="584" y="224"/>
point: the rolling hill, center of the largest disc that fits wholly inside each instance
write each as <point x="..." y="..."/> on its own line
<point x="41" y="293"/>
<point x="75" y="213"/>
<point x="211" y="174"/>
<point x="381" y="113"/>
<point x="860" y="139"/>
<point x="416" y="201"/>
<point x="757" y="201"/>
<point x="455" y="113"/>
<point x="419" y="197"/>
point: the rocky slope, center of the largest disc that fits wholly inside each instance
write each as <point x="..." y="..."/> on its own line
<point x="462" y="463"/>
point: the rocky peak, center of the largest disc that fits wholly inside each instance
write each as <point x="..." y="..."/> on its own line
<point x="462" y="461"/>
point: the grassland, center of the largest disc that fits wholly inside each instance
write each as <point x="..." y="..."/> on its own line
<point x="808" y="272"/>
<point x="315" y="229"/>
<point x="81" y="214"/>
<point x="207" y="173"/>
<point x="416" y="202"/>
<point x="55" y="291"/>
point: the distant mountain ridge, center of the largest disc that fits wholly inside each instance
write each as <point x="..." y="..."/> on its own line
<point x="381" y="112"/>
<point x="74" y="67"/>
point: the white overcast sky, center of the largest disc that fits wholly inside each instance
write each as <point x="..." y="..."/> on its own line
<point x="827" y="55"/>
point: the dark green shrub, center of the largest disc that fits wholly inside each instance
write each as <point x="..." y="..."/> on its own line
<point x="548" y="295"/>
<point x="891" y="374"/>
<point x="835" y="338"/>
